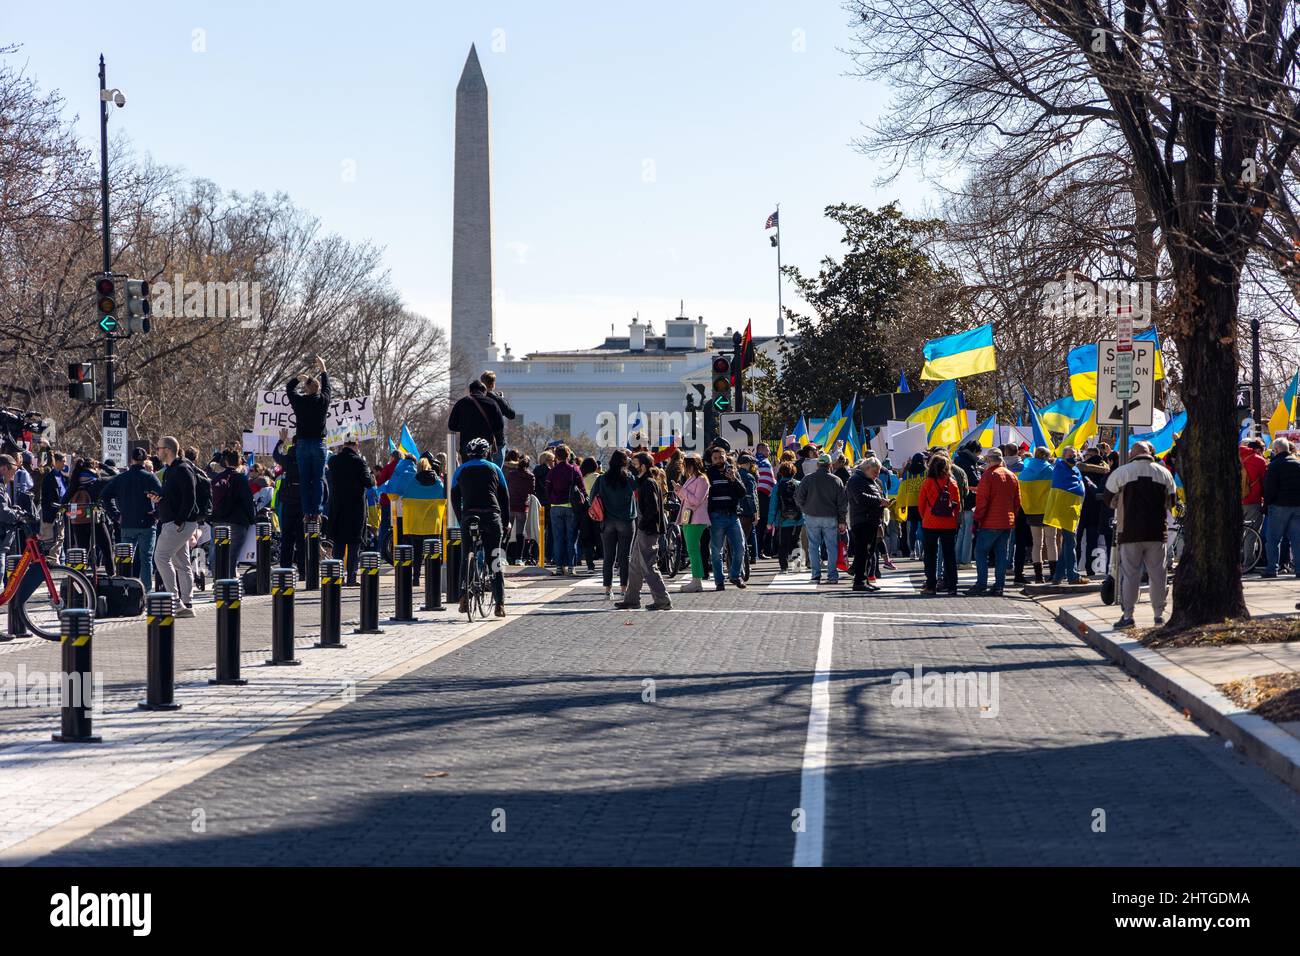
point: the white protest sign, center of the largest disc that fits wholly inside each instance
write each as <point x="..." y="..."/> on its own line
<point x="347" y="417"/>
<point x="909" y="442"/>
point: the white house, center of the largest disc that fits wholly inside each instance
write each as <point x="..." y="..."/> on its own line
<point x="590" y="390"/>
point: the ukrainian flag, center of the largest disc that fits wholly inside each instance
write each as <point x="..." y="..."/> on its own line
<point x="956" y="356"/>
<point x="1163" y="440"/>
<point x="1082" y="362"/>
<point x="407" y="441"/>
<point x="948" y="424"/>
<point x="1083" y="428"/>
<point x="830" y="428"/>
<point x="1064" y="498"/>
<point x="1285" y="413"/>
<point x="855" y="448"/>
<point x="983" y="433"/>
<point x="1061" y="415"/>
<point x="1035" y="482"/>
<point x="927" y="413"/>
<point x="801" y="430"/>
<point x="1036" y="422"/>
<point x="902" y="385"/>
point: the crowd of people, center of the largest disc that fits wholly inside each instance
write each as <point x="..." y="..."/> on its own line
<point x="1008" y="512"/>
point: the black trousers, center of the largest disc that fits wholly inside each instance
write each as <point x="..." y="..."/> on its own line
<point x="490" y="534"/>
<point x="933" y="540"/>
<point x="866" y="556"/>
<point x="293" y="550"/>
<point x="786" y="538"/>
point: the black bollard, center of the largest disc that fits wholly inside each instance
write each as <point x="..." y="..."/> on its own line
<point x="433" y="575"/>
<point x="369" y="561"/>
<point x="76" y="628"/>
<point x="311" y="554"/>
<point x="227" y="594"/>
<point x="283" y="581"/>
<point x="403" y="572"/>
<point x="331" y="603"/>
<point x="453" y="566"/>
<point x="263" y="557"/>
<point x="124" y="559"/>
<point x="221" y="552"/>
<point x="76" y="559"/>
<point x="161" y="673"/>
<point x="16" y="626"/>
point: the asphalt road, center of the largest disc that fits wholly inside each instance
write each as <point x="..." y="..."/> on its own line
<point x="711" y="734"/>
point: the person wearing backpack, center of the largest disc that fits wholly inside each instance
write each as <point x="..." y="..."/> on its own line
<point x="939" y="502"/>
<point x="784" y="516"/>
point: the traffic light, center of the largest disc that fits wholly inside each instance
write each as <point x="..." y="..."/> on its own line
<point x="81" y="381"/>
<point x="106" y="303"/>
<point x="137" y="308"/>
<point x="721" y="383"/>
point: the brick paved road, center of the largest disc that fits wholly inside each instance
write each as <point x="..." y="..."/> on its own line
<point x="543" y="723"/>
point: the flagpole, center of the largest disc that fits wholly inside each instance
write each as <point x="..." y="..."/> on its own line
<point x="780" y="312"/>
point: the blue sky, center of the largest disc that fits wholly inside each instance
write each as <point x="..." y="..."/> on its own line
<point x="637" y="148"/>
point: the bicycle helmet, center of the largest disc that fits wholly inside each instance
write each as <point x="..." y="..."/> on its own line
<point x="477" y="448"/>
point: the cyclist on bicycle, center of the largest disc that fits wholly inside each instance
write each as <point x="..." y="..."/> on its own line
<point x="479" y="491"/>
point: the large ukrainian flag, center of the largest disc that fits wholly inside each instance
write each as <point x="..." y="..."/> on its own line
<point x="1061" y="414"/>
<point x="830" y="428"/>
<point x="1162" y="441"/>
<point x="1035" y="482"/>
<point x="956" y="356"/>
<point x="1285" y="413"/>
<point x="1041" y="437"/>
<point x="1082" y="362"/>
<point x="801" y="430"/>
<point x="927" y="413"/>
<point x="1083" y="428"/>
<point x="1064" y="498"/>
<point x="982" y="433"/>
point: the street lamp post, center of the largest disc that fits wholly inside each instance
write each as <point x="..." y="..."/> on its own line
<point x="105" y="96"/>
<point x="1257" y="404"/>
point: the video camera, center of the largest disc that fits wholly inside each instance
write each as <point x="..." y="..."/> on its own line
<point x="19" y="428"/>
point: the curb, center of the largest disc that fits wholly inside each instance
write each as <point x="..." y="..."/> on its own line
<point x="1263" y="741"/>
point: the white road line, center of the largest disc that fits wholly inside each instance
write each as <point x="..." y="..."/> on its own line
<point x="791" y="581"/>
<point x="810" y="842"/>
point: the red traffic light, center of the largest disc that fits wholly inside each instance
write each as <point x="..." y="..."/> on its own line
<point x="722" y="366"/>
<point x="105" y="286"/>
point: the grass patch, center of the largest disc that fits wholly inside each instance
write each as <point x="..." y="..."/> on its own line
<point x="1267" y="631"/>
<point x="1274" y="697"/>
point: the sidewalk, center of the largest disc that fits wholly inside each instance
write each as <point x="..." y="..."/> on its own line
<point x="1231" y="688"/>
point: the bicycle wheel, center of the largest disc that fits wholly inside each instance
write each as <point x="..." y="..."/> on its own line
<point x="482" y="587"/>
<point x="41" y="610"/>
<point x="1252" y="549"/>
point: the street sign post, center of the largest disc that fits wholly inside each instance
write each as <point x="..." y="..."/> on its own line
<point x="741" y="429"/>
<point x="115" y="424"/>
<point x="1126" y="380"/>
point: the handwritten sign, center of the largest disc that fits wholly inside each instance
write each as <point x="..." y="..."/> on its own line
<point x="348" y="418"/>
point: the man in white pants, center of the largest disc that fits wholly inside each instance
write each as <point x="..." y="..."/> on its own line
<point x="1141" y="492"/>
<point x="177" y="509"/>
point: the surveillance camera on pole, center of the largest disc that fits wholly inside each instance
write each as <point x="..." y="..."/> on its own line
<point x="113" y="96"/>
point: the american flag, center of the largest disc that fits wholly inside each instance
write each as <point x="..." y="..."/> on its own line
<point x="772" y="221"/>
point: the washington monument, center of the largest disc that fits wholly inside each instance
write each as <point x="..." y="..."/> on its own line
<point x="472" y="331"/>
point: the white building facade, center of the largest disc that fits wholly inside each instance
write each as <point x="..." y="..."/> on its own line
<point x="591" y="391"/>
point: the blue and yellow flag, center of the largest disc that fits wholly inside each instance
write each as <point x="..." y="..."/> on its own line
<point x="1082" y="362"/>
<point x="1285" y="413"/>
<point x="1061" y="415"/>
<point x="927" y="413"/>
<point x="392" y="446"/>
<point x="983" y="433"/>
<point x="902" y="384"/>
<point x="1064" y="498"/>
<point x="407" y="441"/>
<point x="1035" y="482"/>
<point x="956" y="356"/>
<point x="801" y="431"/>
<point x="1162" y="441"/>
<point x="1083" y="428"/>
<point x="948" y="424"/>
<point x="830" y="428"/>
<point x="1041" y="437"/>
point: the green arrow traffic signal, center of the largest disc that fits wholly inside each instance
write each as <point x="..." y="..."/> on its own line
<point x="108" y="323"/>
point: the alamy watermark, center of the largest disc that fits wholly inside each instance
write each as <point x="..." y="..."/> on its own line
<point x="1079" y="297"/>
<point x="179" y="299"/>
<point x="630" y="427"/>
<point x="46" y="689"/>
<point x="945" y="689"/>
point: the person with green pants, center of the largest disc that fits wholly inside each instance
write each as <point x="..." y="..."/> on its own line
<point x="694" y="517"/>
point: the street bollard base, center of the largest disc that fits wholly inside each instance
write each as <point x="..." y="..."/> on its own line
<point x="403" y="620"/>
<point x="361" y="630"/>
<point x="433" y="607"/>
<point x="328" y="646"/>
<point x="230" y="681"/>
<point x="145" y="705"/>
<point x="61" y="739"/>
<point x="290" y="663"/>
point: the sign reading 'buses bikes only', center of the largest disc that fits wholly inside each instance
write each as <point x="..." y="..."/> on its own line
<point x="1126" y="377"/>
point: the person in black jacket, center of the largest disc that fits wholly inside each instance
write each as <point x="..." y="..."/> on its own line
<point x="479" y="492"/>
<point x="288" y="498"/>
<point x="867" y="503"/>
<point x="489" y="380"/>
<point x="232" y="504"/>
<point x="349" y="476"/>
<point x="177" y="511"/>
<point x="310" y="408"/>
<point x="54" y="486"/>
<point x="1282" y="505"/>
<point x="475" y="415"/>
<point x="644" y="555"/>
<point x="131" y="491"/>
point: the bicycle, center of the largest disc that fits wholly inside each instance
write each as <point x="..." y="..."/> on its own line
<point x="64" y="588"/>
<point x="1252" y="547"/>
<point x="478" y="579"/>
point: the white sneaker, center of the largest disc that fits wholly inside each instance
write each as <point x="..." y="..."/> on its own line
<point x="694" y="587"/>
<point x="609" y="593"/>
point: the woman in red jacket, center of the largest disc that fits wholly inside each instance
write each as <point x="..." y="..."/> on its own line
<point x="939" y="502"/>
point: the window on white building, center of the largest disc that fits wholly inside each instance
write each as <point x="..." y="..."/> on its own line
<point x="562" y="424"/>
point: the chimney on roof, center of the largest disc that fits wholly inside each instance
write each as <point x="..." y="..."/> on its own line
<point x="636" y="336"/>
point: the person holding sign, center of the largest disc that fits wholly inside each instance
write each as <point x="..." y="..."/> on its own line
<point x="311" y="405"/>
